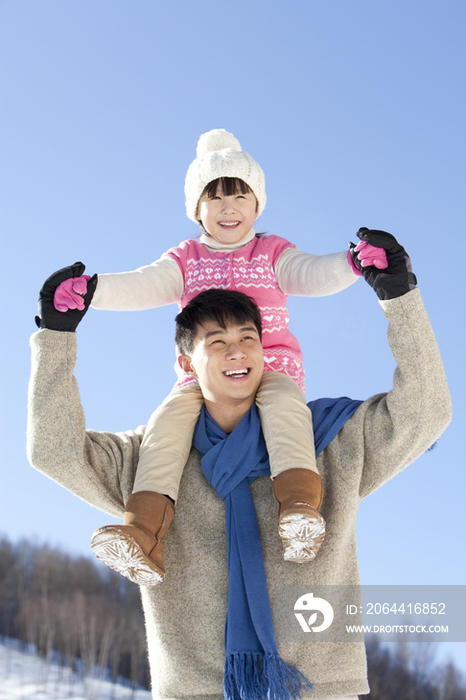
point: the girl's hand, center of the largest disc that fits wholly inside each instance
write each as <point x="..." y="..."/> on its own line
<point x="370" y="255"/>
<point x="69" y="294"/>
<point x="365" y="254"/>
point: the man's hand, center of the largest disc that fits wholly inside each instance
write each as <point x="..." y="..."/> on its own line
<point x="396" y="279"/>
<point x="49" y="317"/>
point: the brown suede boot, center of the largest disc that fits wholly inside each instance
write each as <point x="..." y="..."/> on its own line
<point x="135" y="549"/>
<point x="300" y="525"/>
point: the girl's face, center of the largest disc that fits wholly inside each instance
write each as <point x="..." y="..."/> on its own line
<point x="227" y="218"/>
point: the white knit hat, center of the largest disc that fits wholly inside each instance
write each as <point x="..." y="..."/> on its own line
<point x="219" y="154"/>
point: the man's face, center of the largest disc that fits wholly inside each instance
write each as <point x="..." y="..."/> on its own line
<point x="228" y="363"/>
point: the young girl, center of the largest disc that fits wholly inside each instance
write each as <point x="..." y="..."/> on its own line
<point x="225" y="193"/>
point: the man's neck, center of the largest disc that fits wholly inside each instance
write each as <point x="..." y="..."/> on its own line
<point x="227" y="416"/>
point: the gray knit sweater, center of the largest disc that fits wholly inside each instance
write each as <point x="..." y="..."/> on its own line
<point x="185" y="615"/>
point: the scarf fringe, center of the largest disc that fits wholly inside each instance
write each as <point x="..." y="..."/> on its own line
<point x="250" y="676"/>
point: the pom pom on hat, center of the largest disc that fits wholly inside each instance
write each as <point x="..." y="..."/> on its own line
<point x="218" y="155"/>
<point x="216" y="140"/>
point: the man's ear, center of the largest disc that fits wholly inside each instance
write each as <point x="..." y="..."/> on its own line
<point x="185" y="363"/>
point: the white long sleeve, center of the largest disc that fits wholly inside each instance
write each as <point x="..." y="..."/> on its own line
<point x="148" y="287"/>
<point x="307" y="275"/>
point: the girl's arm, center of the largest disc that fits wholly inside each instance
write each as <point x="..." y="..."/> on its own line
<point x="307" y="275"/>
<point x="154" y="285"/>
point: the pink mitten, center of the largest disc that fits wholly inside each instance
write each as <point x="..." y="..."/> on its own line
<point x="368" y="255"/>
<point x="69" y="294"/>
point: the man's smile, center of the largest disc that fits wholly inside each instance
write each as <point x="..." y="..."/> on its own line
<point x="237" y="373"/>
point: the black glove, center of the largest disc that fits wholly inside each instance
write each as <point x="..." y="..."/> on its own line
<point x="398" y="278"/>
<point x="55" y="320"/>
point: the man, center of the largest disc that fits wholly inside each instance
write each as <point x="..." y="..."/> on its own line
<point x="185" y="616"/>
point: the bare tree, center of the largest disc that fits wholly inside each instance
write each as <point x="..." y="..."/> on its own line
<point x="409" y="672"/>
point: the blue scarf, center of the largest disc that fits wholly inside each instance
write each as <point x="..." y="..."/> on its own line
<point x="329" y="417"/>
<point x="253" y="666"/>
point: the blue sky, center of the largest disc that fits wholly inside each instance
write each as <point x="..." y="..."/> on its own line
<point x="355" y="110"/>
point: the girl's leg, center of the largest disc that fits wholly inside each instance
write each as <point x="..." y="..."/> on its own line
<point x="167" y="442"/>
<point x="135" y="549"/>
<point x="287" y="425"/>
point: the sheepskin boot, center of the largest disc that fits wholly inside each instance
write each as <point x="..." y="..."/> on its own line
<point x="300" y="525"/>
<point x="135" y="549"/>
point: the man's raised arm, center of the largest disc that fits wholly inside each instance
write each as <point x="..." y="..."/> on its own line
<point x="98" y="467"/>
<point x="389" y="431"/>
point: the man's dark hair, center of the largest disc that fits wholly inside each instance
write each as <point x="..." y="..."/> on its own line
<point x="220" y="305"/>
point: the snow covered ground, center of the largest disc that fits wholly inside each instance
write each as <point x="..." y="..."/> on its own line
<point x="24" y="675"/>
